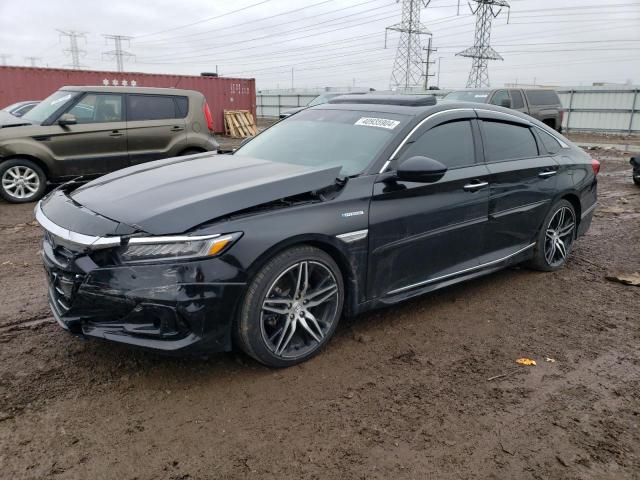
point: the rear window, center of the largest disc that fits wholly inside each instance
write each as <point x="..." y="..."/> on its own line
<point x="478" y="96"/>
<point x="542" y="97"/>
<point x="151" y="107"/>
<point x="183" y="106"/>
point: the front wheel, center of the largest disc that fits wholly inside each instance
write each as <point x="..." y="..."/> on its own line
<point x="556" y="237"/>
<point x="291" y="308"/>
<point x="21" y="181"/>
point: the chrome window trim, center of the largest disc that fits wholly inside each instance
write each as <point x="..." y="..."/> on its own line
<point x="414" y="129"/>
<point x="466" y="270"/>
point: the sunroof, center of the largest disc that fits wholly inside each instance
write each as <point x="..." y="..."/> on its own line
<point x="405" y="100"/>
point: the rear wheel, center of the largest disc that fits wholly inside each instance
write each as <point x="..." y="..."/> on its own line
<point x="21" y="181"/>
<point x="292" y="307"/>
<point x="556" y="237"/>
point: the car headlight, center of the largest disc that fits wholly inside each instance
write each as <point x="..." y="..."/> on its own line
<point x="173" y="248"/>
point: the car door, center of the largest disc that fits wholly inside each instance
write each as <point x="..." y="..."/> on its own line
<point x="522" y="183"/>
<point x="420" y="232"/>
<point x="97" y="143"/>
<point x="156" y="127"/>
<point x="517" y="100"/>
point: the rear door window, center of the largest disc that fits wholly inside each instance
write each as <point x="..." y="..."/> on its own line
<point x="516" y="99"/>
<point x="506" y="141"/>
<point x="542" y="97"/>
<point x="549" y="143"/>
<point x="449" y="143"/>
<point x="151" y="107"/>
<point x="98" y="108"/>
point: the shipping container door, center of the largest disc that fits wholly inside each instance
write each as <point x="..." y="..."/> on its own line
<point x="154" y="128"/>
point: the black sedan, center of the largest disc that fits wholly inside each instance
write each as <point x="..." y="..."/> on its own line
<point x="356" y="204"/>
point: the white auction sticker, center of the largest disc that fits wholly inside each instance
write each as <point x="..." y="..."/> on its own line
<point x="378" y="122"/>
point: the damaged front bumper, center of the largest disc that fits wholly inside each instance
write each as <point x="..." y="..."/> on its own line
<point x="184" y="307"/>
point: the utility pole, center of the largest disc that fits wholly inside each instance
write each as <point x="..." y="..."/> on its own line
<point x="32" y="61"/>
<point x="74" y="51"/>
<point x="481" y="52"/>
<point x="407" y="67"/>
<point x="428" y="63"/>
<point x="118" y="53"/>
<point x="439" y="58"/>
<point x="292" y="79"/>
<point x="3" y="59"/>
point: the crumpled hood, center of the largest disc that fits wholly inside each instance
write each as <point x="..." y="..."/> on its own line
<point x="176" y="194"/>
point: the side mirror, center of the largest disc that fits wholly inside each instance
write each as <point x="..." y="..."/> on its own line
<point x="421" y="169"/>
<point x="67" y="119"/>
<point x="506" y="103"/>
<point x="635" y="161"/>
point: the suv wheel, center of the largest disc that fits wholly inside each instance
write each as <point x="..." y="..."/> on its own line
<point x="556" y="237"/>
<point x="291" y="308"/>
<point x="21" y="181"/>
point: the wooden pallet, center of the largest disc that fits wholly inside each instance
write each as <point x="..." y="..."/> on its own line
<point x="239" y="124"/>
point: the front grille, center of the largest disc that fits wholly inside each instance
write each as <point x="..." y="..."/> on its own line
<point x="63" y="280"/>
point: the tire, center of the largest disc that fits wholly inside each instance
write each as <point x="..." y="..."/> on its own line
<point x="286" y="330"/>
<point x="549" y="255"/>
<point x="34" y="181"/>
<point x="636" y="179"/>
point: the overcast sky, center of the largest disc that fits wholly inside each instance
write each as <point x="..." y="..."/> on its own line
<point x="329" y="42"/>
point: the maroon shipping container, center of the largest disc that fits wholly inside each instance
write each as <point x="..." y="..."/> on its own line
<point x="27" y="83"/>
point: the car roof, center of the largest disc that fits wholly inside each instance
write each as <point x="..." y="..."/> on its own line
<point x="384" y="105"/>
<point x="147" y="90"/>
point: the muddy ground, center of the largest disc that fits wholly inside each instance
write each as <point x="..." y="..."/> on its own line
<point x="403" y="393"/>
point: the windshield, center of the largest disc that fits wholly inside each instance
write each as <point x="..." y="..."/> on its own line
<point x="48" y="106"/>
<point x="327" y="138"/>
<point x="321" y="99"/>
<point x="478" y="96"/>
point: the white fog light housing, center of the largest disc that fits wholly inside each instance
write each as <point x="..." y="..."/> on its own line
<point x="141" y="249"/>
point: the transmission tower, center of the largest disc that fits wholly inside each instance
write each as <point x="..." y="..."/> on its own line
<point x="119" y="54"/>
<point x="74" y="51"/>
<point x="3" y="59"/>
<point x="407" y="67"/>
<point x="32" y="61"/>
<point x="481" y="52"/>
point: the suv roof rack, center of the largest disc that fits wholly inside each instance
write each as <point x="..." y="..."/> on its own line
<point x="404" y="100"/>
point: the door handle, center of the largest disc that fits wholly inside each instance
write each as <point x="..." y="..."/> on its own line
<point x="116" y="134"/>
<point x="177" y="129"/>
<point x="472" y="187"/>
<point x="547" y="173"/>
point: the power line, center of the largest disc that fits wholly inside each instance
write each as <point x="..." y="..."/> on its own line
<point x="74" y="50"/>
<point x="3" y="59"/>
<point x="118" y="53"/>
<point x="203" y="20"/>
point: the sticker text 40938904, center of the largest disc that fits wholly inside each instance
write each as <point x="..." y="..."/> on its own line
<point x="377" y="122"/>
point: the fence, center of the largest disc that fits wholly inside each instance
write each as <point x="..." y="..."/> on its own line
<point x="589" y="109"/>
<point x="601" y="109"/>
<point x="271" y="105"/>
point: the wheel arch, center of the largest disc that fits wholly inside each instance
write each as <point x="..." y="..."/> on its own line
<point x="574" y="200"/>
<point x="36" y="160"/>
<point x="328" y="245"/>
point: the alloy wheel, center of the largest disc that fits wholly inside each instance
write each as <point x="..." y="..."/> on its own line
<point x="299" y="309"/>
<point x="20" y="182"/>
<point x="559" y="236"/>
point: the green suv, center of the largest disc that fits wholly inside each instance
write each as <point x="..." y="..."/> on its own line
<point x="89" y="131"/>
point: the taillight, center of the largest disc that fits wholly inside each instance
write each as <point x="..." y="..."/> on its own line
<point x="595" y="164"/>
<point x="207" y="115"/>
